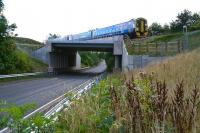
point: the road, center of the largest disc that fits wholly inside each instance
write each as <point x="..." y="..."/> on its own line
<point x="43" y="90"/>
<point x="101" y="67"/>
<point x="39" y="91"/>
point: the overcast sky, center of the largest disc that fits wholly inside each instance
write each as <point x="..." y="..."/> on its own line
<point x="37" y="18"/>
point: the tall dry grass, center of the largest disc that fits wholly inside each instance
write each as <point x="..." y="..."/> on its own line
<point x="143" y="105"/>
<point x="185" y="66"/>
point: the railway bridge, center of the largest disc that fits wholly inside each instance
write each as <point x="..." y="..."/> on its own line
<point x="62" y="55"/>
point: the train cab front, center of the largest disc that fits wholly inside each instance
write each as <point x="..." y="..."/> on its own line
<point x="141" y="27"/>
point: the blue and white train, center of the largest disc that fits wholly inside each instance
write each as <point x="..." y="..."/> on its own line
<point x="135" y="28"/>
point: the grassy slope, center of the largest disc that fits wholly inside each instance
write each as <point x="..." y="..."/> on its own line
<point x="27" y="44"/>
<point x="24" y="62"/>
<point x="30" y="45"/>
<point x="167" y="38"/>
<point x="31" y="64"/>
<point x="38" y="66"/>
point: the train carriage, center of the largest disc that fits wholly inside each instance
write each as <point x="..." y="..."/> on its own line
<point x="82" y="36"/>
<point x="133" y="28"/>
<point x="118" y="29"/>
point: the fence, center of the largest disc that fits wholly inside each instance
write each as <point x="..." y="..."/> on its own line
<point x="144" y="53"/>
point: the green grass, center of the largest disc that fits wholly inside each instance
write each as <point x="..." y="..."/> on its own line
<point x="37" y="65"/>
<point x="167" y="38"/>
<point x="21" y="63"/>
<point x="25" y="63"/>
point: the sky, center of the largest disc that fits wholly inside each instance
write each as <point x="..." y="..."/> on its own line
<point x="37" y="18"/>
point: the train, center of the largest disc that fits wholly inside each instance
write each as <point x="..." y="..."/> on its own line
<point x="134" y="28"/>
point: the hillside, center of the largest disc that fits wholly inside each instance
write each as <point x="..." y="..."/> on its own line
<point x="19" y="60"/>
<point x="26" y="46"/>
<point x="23" y="40"/>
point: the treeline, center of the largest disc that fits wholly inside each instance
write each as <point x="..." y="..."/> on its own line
<point x="185" y="18"/>
<point x="11" y="59"/>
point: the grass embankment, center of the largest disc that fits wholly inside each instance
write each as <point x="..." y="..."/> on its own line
<point x="27" y="45"/>
<point x="18" y="60"/>
<point x="28" y="64"/>
<point x="167" y="38"/>
<point x="23" y="63"/>
<point x="164" y="101"/>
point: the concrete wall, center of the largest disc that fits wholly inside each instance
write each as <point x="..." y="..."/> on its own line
<point x="140" y="61"/>
<point x="42" y="54"/>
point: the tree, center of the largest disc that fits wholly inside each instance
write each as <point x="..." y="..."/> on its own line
<point x="8" y="58"/>
<point x="195" y="26"/>
<point x="155" y="28"/>
<point x="184" y="18"/>
<point x="174" y="26"/>
<point x="195" y="18"/>
<point x="53" y="36"/>
<point x="166" y="28"/>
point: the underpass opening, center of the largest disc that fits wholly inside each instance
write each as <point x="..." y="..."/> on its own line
<point x="70" y="59"/>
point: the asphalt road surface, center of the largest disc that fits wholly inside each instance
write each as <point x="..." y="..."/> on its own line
<point x="101" y="67"/>
<point x="43" y="90"/>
